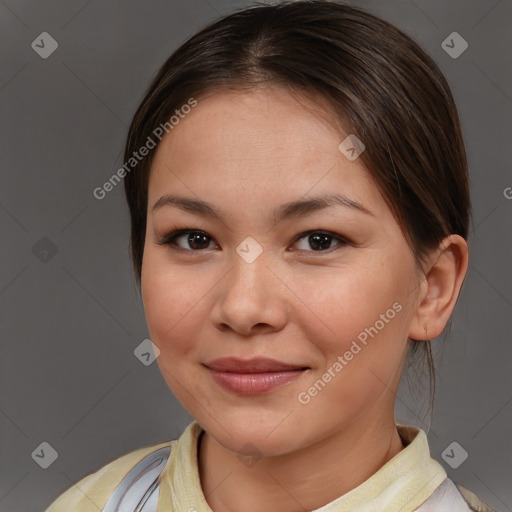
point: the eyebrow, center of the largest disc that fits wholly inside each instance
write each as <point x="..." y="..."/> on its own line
<point x="298" y="208"/>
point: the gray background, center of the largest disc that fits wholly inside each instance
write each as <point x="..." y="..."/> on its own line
<point x="70" y="320"/>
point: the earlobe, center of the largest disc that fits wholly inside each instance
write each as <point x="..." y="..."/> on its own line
<point x="440" y="289"/>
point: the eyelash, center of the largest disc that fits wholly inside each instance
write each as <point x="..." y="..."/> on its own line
<point x="170" y="238"/>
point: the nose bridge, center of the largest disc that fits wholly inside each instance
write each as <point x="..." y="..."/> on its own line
<point x="249" y="270"/>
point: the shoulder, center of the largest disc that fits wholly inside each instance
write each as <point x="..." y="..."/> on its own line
<point x="474" y="502"/>
<point x="92" y="492"/>
<point x="452" y="497"/>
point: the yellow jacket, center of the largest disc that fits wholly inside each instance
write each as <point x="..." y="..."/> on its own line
<point x="165" y="478"/>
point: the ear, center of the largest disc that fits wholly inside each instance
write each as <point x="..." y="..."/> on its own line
<point x="447" y="267"/>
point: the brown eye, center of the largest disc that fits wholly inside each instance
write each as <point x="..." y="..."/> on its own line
<point x="319" y="241"/>
<point x="189" y="240"/>
<point x="197" y="241"/>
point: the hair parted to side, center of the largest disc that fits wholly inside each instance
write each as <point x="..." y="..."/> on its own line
<point x="378" y="82"/>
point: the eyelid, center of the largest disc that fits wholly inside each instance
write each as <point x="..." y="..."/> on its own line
<point x="322" y="231"/>
<point x="175" y="233"/>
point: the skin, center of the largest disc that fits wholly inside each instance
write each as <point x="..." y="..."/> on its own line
<point x="246" y="154"/>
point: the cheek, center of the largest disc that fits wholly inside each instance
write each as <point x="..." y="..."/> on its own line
<point x="174" y="309"/>
<point x="359" y="334"/>
<point x="346" y="303"/>
<point x="172" y="303"/>
<point x="361" y="316"/>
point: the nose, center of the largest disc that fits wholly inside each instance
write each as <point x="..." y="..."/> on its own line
<point x="250" y="299"/>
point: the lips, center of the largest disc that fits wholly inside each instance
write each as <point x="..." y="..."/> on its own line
<point x="249" y="377"/>
<point x="257" y="365"/>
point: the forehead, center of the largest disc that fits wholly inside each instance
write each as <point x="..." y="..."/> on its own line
<point x="263" y="141"/>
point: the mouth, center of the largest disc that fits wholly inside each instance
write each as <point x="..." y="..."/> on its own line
<point x="253" y="376"/>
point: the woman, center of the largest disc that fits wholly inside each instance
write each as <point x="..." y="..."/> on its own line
<point x="299" y="200"/>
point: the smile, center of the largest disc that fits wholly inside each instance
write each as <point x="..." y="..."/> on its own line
<point x="253" y="376"/>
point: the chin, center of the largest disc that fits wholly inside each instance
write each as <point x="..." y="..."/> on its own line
<point x="253" y="433"/>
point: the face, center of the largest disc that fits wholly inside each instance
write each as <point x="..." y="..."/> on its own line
<point x="286" y="251"/>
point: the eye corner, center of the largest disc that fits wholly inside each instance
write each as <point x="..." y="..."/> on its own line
<point x="160" y="239"/>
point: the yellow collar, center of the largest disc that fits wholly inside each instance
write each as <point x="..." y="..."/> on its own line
<point x="403" y="483"/>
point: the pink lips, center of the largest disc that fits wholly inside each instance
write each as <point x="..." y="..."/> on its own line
<point x="252" y="376"/>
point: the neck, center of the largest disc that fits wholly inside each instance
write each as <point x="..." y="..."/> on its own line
<point x="304" y="480"/>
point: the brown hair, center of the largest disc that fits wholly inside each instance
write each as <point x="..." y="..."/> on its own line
<point x="378" y="81"/>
